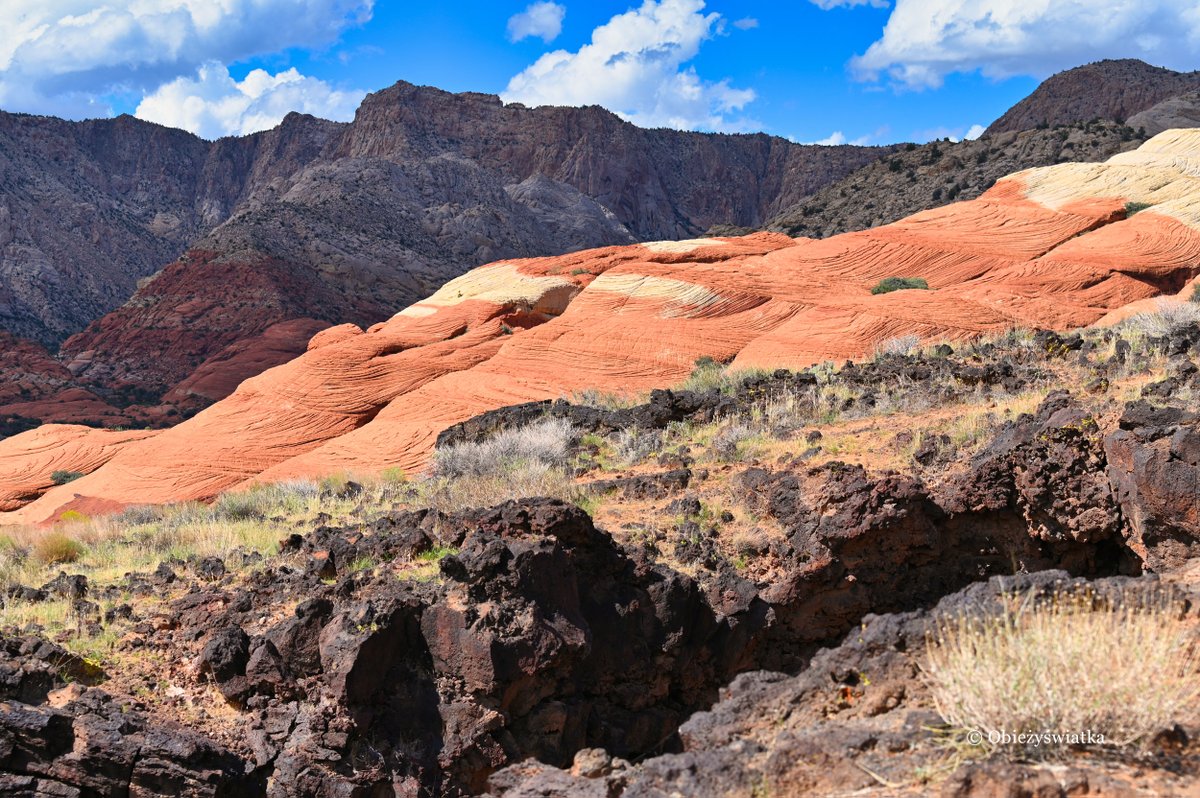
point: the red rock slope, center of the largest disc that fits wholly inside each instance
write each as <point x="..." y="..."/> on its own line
<point x="1047" y="247"/>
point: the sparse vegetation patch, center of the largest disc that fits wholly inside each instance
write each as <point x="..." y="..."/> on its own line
<point x="1124" y="667"/>
<point x="63" y="477"/>
<point x="889" y="284"/>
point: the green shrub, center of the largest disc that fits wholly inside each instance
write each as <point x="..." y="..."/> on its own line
<point x="890" y="284"/>
<point x="57" y="547"/>
<point x="63" y="477"/>
<point x="707" y="375"/>
<point x="1195" y="297"/>
<point x="1134" y="207"/>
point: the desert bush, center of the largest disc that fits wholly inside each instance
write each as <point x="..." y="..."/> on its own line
<point x="730" y="440"/>
<point x="57" y="547"/>
<point x="516" y="463"/>
<point x="633" y="444"/>
<point x="1135" y="207"/>
<point x="591" y="397"/>
<point x="710" y="375"/>
<point x="1167" y="318"/>
<point x="1195" y="295"/>
<point x="517" y="480"/>
<point x="63" y="477"/>
<point x="900" y="345"/>
<point x="546" y="442"/>
<point x="890" y="284"/>
<point x="139" y="515"/>
<point x="1124" y="666"/>
<point x="707" y="375"/>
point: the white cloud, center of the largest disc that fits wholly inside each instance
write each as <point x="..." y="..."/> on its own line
<point x="58" y="56"/>
<point x="837" y="138"/>
<point x="745" y="23"/>
<point x="213" y="104"/>
<point x="828" y="4"/>
<point x="952" y="134"/>
<point x="925" y="40"/>
<point x="543" y="19"/>
<point x="634" y="66"/>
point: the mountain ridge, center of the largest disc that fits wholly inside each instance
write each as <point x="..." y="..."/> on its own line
<point x="1112" y="89"/>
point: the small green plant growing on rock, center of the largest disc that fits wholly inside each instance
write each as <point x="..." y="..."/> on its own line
<point x="1132" y="208"/>
<point x="63" y="477"/>
<point x="889" y="284"/>
<point x="1195" y="297"/>
<point x="436" y="554"/>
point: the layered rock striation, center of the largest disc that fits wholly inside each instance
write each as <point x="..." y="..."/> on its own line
<point x="1049" y="247"/>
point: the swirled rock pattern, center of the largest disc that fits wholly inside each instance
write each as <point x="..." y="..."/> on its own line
<point x="1048" y="247"/>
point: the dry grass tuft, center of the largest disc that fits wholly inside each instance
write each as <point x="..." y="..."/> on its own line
<point x="547" y="442"/>
<point x="57" y="547"/>
<point x="901" y="345"/>
<point x="1167" y="318"/>
<point x="516" y="463"/>
<point x="1125" y="668"/>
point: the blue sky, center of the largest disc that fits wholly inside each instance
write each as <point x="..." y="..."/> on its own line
<point x="868" y="71"/>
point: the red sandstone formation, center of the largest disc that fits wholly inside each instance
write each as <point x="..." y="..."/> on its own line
<point x="1048" y="247"/>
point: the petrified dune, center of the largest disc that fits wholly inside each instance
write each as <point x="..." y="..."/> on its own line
<point x="1048" y="247"/>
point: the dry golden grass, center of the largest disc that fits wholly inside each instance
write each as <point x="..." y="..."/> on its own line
<point x="57" y="547"/>
<point x="1124" y="667"/>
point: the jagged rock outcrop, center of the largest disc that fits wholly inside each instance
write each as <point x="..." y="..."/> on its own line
<point x="1154" y="467"/>
<point x="1046" y="248"/>
<point x="1112" y="89"/>
<point x="856" y="719"/>
<point x="68" y="739"/>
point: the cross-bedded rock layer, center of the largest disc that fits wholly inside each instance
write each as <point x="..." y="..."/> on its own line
<point x="1049" y="247"/>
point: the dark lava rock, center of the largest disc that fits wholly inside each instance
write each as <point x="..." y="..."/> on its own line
<point x="1153" y="464"/>
<point x="210" y="568"/>
<point x="856" y="714"/>
<point x="70" y="587"/>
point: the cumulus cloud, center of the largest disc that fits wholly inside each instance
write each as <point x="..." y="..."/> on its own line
<point x="58" y="56"/>
<point x="974" y="132"/>
<point x="925" y="40"/>
<point x="635" y="66"/>
<point x="213" y="104"/>
<point x="837" y="138"/>
<point x="543" y="20"/>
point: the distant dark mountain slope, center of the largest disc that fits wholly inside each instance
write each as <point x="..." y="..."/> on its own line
<point x="89" y="208"/>
<point x="930" y="175"/>
<point x="1111" y="90"/>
